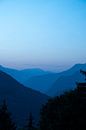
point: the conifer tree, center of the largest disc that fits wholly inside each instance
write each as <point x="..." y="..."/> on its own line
<point x="6" y="122"/>
<point x="30" y="123"/>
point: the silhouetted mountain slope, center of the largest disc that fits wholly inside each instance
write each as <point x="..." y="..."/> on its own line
<point x="67" y="81"/>
<point x="45" y="82"/>
<point x="21" y="100"/>
<point x="42" y="80"/>
<point x="23" y="75"/>
<point x="35" y="78"/>
<point x="41" y="83"/>
<point x="73" y="69"/>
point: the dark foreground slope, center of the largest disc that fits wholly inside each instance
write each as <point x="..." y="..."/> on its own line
<point x="66" y="112"/>
<point x="20" y="100"/>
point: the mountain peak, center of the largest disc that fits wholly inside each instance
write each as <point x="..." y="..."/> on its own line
<point x="79" y="66"/>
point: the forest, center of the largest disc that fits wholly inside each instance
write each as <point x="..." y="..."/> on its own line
<point x="64" y="112"/>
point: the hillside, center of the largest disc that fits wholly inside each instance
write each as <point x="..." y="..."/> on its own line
<point x="41" y="83"/>
<point x="67" y="81"/>
<point x="21" y="100"/>
<point x="45" y="83"/>
<point x="23" y="75"/>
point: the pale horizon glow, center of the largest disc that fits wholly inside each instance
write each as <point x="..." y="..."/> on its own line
<point x="49" y="34"/>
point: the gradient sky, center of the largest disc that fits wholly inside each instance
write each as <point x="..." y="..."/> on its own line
<point x="50" y="34"/>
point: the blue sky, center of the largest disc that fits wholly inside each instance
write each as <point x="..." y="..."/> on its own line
<point x="49" y="34"/>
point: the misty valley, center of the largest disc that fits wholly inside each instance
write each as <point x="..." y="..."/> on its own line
<point x="42" y="64"/>
<point x="33" y="99"/>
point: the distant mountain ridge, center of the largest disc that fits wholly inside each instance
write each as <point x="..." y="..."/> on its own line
<point x="23" y="75"/>
<point x="45" y="81"/>
<point x="27" y="77"/>
<point x="67" y="80"/>
<point x="21" y="100"/>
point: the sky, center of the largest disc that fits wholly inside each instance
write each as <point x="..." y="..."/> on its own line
<point x="50" y="34"/>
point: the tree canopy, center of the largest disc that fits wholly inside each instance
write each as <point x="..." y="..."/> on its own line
<point x="67" y="112"/>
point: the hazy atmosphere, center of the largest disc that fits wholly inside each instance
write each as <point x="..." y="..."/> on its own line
<point x="50" y="34"/>
<point x="42" y="64"/>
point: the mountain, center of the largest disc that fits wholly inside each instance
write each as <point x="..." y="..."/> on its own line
<point x="21" y="100"/>
<point x="34" y="78"/>
<point x="73" y="69"/>
<point x="23" y="75"/>
<point x="45" y="82"/>
<point x="67" y="80"/>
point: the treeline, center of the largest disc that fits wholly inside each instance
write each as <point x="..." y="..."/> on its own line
<point x="66" y="112"/>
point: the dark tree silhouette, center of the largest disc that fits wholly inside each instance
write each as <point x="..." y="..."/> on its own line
<point x="6" y="122"/>
<point x="84" y="73"/>
<point x="67" y="112"/>
<point x="30" y="124"/>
